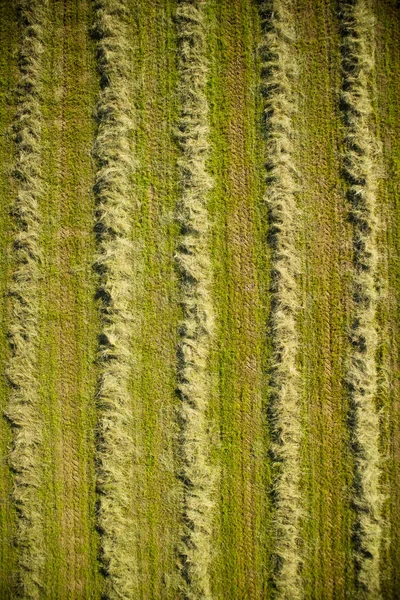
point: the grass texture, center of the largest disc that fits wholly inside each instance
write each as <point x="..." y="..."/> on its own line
<point x="196" y="329"/>
<point x="157" y="493"/>
<point x="23" y="404"/>
<point x="69" y="315"/>
<point x="9" y="38"/>
<point x="278" y="84"/>
<point x="326" y="269"/>
<point x="200" y="278"/>
<point x="240" y="279"/>
<point x="386" y="112"/>
<point x="360" y="160"/>
<point x="114" y="228"/>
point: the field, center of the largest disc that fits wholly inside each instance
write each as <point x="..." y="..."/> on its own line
<point x="199" y="299"/>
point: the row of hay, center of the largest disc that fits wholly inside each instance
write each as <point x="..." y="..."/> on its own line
<point x="359" y="161"/>
<point x="113" y="185"/>
<point x="279" y="76"/>
<point x="23" y="408"/>
<point x="193" y="262"/>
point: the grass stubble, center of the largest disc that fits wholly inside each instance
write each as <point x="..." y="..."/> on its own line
<point x="196" y="329"/>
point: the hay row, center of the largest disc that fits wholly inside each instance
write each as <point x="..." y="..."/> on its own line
<point x="193" y="262"/>
<point x="359" y="161"/>
<point x="115" y="439"/>
<point x="279" y="76"/>
<point x="23" y="407"/>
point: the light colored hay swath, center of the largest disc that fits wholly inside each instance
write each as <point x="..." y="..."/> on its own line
<point x="279" y="80"/>
<point x="193" y="262"/>
<point x="23" y="408"/>
<point x="359" y="160"/>
<point x="115" y="441"/>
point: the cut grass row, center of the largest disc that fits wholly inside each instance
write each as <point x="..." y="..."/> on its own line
<point x="23" y="407"/>
<point x="279" y="82"/>
<point x="360" y="170"/>
<point x="196" y="330"/>
<point x="115" y="439"/>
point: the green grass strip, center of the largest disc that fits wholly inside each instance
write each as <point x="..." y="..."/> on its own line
<point x="193" y="260"/>
<point x="278" y="82"/>
<point x="22" y="371"/>
<point x="115" y="450"/>
<point x="359" y="163"/>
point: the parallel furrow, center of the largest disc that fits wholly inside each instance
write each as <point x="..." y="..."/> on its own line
<point x="388" y="83"/>
<point x="67" y="392"/>
<point x="244" y="295"/>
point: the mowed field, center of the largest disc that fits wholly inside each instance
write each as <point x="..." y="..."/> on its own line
<point x="200" y="299"/>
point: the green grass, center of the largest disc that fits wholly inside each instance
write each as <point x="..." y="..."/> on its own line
<point x="8" y="71"/>
<point x="241" y="276"/>
<point x="387" y="118"/>
<point x="326" y="255"/>
<point x="69" y="315"/>
<point x="157" y="492"/>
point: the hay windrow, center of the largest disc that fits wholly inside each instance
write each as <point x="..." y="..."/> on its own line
<point x="23" y="407"/>
<point x="359" y="164"/>
<point x="278" y="85"/>
<point x="116" y="447"/>
<point x="194" y="266"/>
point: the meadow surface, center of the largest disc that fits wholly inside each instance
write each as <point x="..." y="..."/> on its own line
<point x="199" y="299"/>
